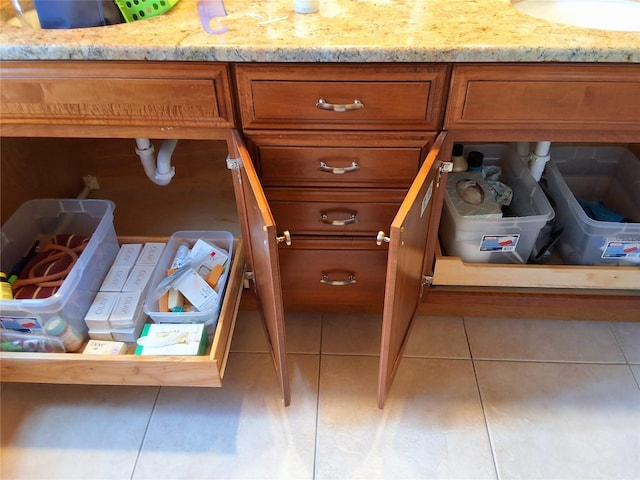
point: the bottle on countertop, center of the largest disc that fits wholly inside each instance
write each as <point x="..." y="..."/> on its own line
<point x="459" y="162"/>
<point x="58" y="327"/>
<point x="306" y="6"/>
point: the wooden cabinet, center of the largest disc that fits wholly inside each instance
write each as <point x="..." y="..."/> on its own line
<point x="348" y="163"/>
<point x="116" y="99"/>
<point x="338" y="148"/>
<point x="155" y="100"/>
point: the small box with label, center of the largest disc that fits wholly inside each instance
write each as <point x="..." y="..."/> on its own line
<point x="105" y="347"/>
<point x="172" y="339"/>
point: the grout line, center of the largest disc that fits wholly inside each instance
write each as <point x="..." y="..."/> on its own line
<point x="144" y="435"/>
<point x="484" y="413"/>
<point x="615" y="337"/>
<point x="315" y="446"/>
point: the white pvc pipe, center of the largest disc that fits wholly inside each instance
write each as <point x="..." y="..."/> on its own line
<point x="523" y="150"/>
<point x="539" y="158"/>
<point x="158" y="171"/>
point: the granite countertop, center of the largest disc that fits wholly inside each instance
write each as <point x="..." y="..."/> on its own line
<point x="342" y="31"/>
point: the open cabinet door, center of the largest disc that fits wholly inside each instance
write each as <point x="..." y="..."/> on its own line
<point x="412" y="242"/>
<point x="259" y="234"/>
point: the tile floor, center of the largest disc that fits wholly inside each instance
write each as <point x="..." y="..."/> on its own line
<point x="473" y="398"/>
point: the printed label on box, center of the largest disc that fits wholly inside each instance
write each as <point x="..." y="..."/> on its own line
<point x="151" y="253"/>
<point x="22" y="324"/>
<point x="197" y="291"/>
<point x="128" y="254"/>
<point x="138" y="278"/>
<point x="115" y="279"/>
<point x="626" y="250"/>
<point x="499" y="243"/>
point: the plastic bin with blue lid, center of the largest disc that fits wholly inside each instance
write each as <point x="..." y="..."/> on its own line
<point x="41" y="219"/>
<point x="596" y="191"/>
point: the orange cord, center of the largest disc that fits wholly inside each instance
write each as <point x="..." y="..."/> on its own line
<point x="55" y="279"/>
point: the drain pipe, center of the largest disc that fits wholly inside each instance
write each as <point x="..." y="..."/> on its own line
<point x="159" y="171"/>
<point x="539" y="158"/>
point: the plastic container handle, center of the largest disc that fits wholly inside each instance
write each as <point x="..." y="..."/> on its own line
<point x="210" y="10"/>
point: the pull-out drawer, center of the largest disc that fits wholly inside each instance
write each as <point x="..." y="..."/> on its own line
<point x="130" y="369"/>
<point x="553" y="97"/>
<point x="333" y="210"/>
<point x="330" y="271"/>
<point x="372" y="97"/>
<point x="109" y="96"/>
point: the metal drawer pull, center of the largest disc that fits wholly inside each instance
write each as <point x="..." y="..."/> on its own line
<point x="338" y="283"/>
<point x="339" y="170"/>
<point x="339" y="107"/>
<point x="381" y="237"/>
<point x="324" y="218"/>
<point x="285" y="237"/>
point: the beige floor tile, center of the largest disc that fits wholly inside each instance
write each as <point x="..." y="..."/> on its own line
<point x="442" y="337"/>
<point x="562" y="420"/>
<point x="351" y="334"/>
<point x="302" y="332"/>
<point x="72" y="432"/>
<point x="432" y="425"/>
<point x="628" y="334"/>
<point x="239" y="431"/>
<point x="542" y="340"/>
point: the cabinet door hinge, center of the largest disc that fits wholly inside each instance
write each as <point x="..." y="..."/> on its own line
<point x="233" y="163"/>
<point x="248" y="279"/>
<point x="444" y="167"/>
<point x="426" y="281"/>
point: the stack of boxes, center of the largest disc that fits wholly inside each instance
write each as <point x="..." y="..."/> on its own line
<point x="116" y="312"/>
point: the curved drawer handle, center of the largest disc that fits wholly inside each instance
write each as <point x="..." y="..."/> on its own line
<point x="381" y="237"/>
<point x="285" y="237"/>
<point x="338" y="283"/>
<point x="353" y="218"/>
<point x="339" y="107"/>
<point x="339" y="170"/>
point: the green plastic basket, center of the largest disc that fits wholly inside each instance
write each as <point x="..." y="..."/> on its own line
<point x="133" y="10"/>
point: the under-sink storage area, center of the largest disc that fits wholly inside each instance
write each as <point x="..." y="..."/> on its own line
<point x="554" y="272"/>
<point x="199" y="198"/>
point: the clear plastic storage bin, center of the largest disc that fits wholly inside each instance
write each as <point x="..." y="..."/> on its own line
<point x="221" y="239"/>
<point x="41" y="219"/>
<point x="509" y="239"/>
<point x="610" y="175"/>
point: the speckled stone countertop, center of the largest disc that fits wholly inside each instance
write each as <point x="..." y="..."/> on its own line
<point x="342" y="31"/>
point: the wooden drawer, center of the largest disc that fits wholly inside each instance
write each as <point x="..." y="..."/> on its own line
<point x="109" y="96"/>
<point x="562" y="97"/>
<point x="347" y="159"/>
<point x="375" y="97"/>
<point x="129" y="369"/>
<point x="333" y="272"/>
<point x="333" y="210"/>
<point x="339" y="165"/>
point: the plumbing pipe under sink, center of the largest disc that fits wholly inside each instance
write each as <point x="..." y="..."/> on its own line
<point x="159" y="171"/>
<point x="538" y="159"/>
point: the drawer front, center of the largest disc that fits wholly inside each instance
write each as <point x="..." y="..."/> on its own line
<point x="333" y="272"/>
<point x="127" y="94"/>
<point x="342" y="97"/>
<point x="338" y="166"/>
<point x="545" y="96"/>
<point x="334" y="211"/>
